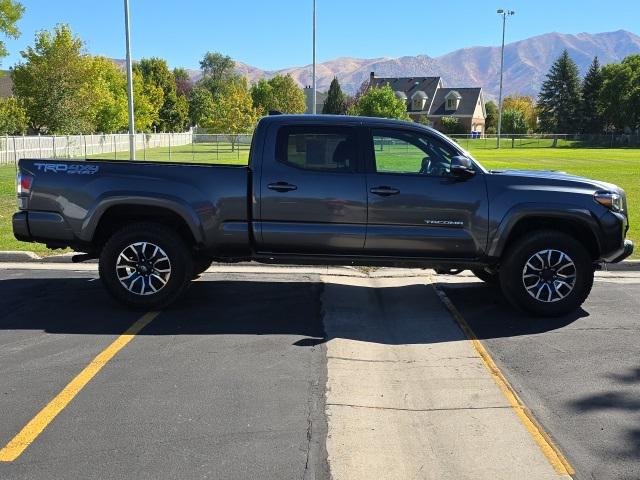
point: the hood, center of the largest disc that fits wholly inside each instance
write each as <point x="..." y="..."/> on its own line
<point x="555" y="176"/>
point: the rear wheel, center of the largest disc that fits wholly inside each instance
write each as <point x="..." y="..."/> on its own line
<point x="547" y="273"/>
<point x="145" y="266"/>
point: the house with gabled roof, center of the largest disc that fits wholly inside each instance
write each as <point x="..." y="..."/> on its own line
<point x="428" y="98"/>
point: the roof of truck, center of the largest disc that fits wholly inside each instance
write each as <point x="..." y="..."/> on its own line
<point x="337" y="119"/>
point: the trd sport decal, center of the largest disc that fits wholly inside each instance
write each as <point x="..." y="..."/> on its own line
<point x="74" y="168"/>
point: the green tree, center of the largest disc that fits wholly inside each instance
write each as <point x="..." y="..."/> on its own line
<point x="217" y="71"/>
<point x="148" y="98"/>
<point x="233" y="111"/>
<point x="335" y="101"/>
<point x="491" y="122"/>
<point x="201" y="106"/>
<point x="620" y="94"/>
<point x="524" y="104"/>
<point x="52" y="82"/>
<point x="13" y="117"/>
<point x="10" y="13"/>
<point x="559" y="98"/>
<point x="452" y="126"/>
<point x="171" y="117"/>
<point x="109" y="92"/>
<point x="380" y="102"/>
<point x="279" y="93"/>
<point x="590" y="110"/>
<point x="514" y="121"/>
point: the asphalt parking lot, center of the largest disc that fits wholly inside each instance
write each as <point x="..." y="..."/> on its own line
<point x="232" y="381"/>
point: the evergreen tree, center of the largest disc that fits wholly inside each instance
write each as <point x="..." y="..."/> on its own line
<point x="559" y="99"/>
<point x="592" y="121"/>
<point x="335" y="101"/>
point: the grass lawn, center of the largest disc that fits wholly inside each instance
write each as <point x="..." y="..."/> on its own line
<point x="619" y="166"/>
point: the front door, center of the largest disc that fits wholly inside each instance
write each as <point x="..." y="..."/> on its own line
<point x="313" y="196"/>
<point x="416" y="208"/>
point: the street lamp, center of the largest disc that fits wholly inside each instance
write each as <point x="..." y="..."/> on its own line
<point x="313" y="81"/>
<point x="132" y="126"/>
<point x="504" y="14"/>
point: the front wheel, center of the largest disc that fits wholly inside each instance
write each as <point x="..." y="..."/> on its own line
<point x="146" y="266"/>
<point x="546" y="273"/>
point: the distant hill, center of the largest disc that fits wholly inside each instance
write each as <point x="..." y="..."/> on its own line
<point x="526" y="64"/>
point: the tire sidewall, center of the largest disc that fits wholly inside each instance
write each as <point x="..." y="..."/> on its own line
<point x="173" y="246"/>
<point x="516" y="258"/>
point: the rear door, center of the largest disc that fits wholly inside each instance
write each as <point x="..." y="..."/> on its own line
<point x="313" y="196"/>
<point x="416" y="208"/>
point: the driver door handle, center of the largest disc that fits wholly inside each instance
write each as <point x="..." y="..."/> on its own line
<point x="281" y="187"/>
<point x="384" y="191"/>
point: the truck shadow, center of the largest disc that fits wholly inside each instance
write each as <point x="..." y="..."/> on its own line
<point x="239" y="307"/>
<point x="490" y="316"/>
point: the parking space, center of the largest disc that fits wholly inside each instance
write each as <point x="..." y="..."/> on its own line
<point x="579" y="374"/>
<point x="227" y="384"/>
<point x="300" y="373"/>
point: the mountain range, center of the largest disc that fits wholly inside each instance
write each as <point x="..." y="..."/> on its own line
<point x="526" y="63"/>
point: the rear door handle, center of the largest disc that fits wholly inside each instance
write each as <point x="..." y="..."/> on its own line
<point x="281" y="187"/>
<point x="384" y="191"/>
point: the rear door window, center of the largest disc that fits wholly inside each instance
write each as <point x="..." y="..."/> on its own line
<point x="331" y="149"/>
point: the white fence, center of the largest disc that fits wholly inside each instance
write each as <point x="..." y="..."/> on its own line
<point x="70" y="146"/>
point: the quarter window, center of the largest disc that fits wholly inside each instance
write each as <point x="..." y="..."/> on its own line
<point x="411" y="153"/>
<point x="318" y="148"/>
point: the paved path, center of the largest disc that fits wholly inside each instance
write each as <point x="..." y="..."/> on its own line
<point x="580" y="374"/>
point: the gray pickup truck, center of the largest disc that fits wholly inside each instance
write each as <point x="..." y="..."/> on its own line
<point x="328" y="190"/>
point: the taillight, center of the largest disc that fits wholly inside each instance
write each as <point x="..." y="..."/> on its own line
<point x="23" y="183"/>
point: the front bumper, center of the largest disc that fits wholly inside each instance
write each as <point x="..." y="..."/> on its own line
<point x="621" y="254"/>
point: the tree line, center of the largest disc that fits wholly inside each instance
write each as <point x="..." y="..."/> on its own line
<point x="58" y="88"/>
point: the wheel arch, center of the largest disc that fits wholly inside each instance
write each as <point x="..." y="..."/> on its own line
<point x="578" y="223"/>
<point x="111" y="216"/>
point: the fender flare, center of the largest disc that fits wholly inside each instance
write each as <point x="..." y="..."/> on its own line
<point x="517" y="213"/>
<point x="95" y="214"/>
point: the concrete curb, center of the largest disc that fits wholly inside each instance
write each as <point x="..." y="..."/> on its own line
<point x="13" y="256"/>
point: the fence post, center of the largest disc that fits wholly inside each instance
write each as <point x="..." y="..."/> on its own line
<point x="144" y="146"/>
<point x="54" y="146"/>
<point x="6" y="149"/>
<point x="113" y="138"/>
<point x="15" y="152"/>
<point x="170" y="146"/>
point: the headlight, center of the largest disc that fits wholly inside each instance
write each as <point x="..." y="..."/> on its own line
<point x="611" y="200"/>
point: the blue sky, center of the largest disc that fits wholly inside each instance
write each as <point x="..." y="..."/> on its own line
<point x="275" y="34"/>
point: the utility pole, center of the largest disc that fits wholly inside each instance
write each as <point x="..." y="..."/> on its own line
<point x="132" y="122"/>
<point x="504" y="14"/>
<point x="313" y="88"/>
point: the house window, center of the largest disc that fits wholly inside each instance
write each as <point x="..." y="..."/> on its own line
<point x="451" y="104"/>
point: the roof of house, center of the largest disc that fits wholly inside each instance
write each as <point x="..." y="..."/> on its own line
<point x="467" y="103"/>
<point x="409" y="85"/>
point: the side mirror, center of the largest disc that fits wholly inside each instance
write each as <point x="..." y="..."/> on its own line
<point x="462" y="167"/>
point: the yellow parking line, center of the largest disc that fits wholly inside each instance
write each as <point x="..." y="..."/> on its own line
<point x="37" y="424"/>
<point x="557" y="460"/>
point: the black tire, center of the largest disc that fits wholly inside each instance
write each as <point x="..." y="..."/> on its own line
<point x="200" y="265"/>
<point x="175" y="256"/>
<point x="487" y="277"/>
<point x="556" y="297"/>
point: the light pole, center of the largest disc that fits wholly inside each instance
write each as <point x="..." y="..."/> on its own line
<point x="313" y="81"/>
<point x="132" y="122"/>
<point x="504" y="14"/>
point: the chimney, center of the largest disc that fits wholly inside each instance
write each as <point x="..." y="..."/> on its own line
<point x="372" y="75"/>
